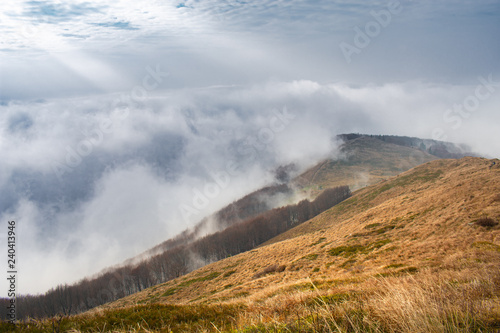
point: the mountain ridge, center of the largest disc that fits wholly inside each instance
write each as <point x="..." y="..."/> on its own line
<point x="416" y="252"/>
<point x="380" y="213"/>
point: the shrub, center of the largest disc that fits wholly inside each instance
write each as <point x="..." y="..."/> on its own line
<point x="486" y="222"/>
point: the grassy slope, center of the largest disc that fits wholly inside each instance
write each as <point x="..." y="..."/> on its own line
<point x="363" y="161"/>
<point x="418" y="219"/>
<point x="404" y="255"/>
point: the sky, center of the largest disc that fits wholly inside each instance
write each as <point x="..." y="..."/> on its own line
<point x="124" y="122"/>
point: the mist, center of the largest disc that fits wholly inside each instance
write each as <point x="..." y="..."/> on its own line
<point x="122" y="125"/>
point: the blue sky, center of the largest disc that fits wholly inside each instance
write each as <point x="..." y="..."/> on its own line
<point x="113" y="113"/>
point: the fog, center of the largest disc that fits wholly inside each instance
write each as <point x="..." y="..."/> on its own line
<point x="122" y="124"/>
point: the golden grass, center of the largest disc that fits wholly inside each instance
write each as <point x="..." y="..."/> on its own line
<point x="422" y="223"/>
<point x="445" y="300"/>
<point x="401" y="256"/>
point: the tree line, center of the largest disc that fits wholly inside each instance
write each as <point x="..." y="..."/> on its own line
<point x="175" y="261"/>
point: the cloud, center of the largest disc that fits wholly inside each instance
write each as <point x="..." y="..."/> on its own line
<point x="97" y="159"/>
<point x="125" y="194"/>
<point x="80" y="44"/>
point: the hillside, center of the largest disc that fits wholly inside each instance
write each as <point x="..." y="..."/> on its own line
<point x="363" y="238"/>
<point x="240" y="226"/>
<point x="363" y="161"/>
<point x="428" y="235"/>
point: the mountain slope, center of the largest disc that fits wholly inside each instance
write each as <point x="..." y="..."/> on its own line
<point x="363" y="161"/>
<point x="417" y="253"/>
<point x="426" y="219"/>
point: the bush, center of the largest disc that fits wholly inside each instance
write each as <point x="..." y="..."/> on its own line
<point x="486" y="222"/>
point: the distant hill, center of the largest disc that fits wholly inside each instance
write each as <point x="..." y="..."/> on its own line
<point x="439" y="149"/>
<point x="363" y="160"/>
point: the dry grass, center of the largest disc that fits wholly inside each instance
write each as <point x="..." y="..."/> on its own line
<point x="401" y="256"/>
<point x="420" y="219"/>
<point x="442" y="301"/>
<point x="447" y="300"/>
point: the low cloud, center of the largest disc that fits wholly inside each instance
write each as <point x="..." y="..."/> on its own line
<point x="126" y="194"/>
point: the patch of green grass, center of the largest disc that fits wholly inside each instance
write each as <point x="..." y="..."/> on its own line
<point x="379" y="231"/>
<point x="487" y="246"/>
<point x="409" y="270"/>
<point x="391" y="248"/>
<point x="403" y="271"/>
<point x="144" y="318"/>
<point x="346" y="250"/>
<point x="305" y="286"/>
<point x="379" y="244"/>
<point x="329" y="299"/>
<point x="169" y="292"/>
<point x="373" y="225"/>
<point x="384" y="229"/>
<point x="393" y="266"/>
<point x="351" y="250"/>
<point x="312" y="256"/>
<point x="348" y="263"/>
<point x="208" y="277"/>
<point x="346" y="204"/>
<point x="421" y="176"/>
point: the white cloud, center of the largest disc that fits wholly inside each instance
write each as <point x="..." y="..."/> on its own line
<point x="125" y="196"/>
<point x="232" y="66"/>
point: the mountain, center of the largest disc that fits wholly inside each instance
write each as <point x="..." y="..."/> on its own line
<point x="416" y="253"/>
<point x="362" y="160"/>
<point x="440" y="149"/>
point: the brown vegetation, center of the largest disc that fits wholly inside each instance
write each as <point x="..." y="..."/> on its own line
<point x="399" y="256"/>
<point x="176" y="261"/>
<point x="405" y="255"/>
